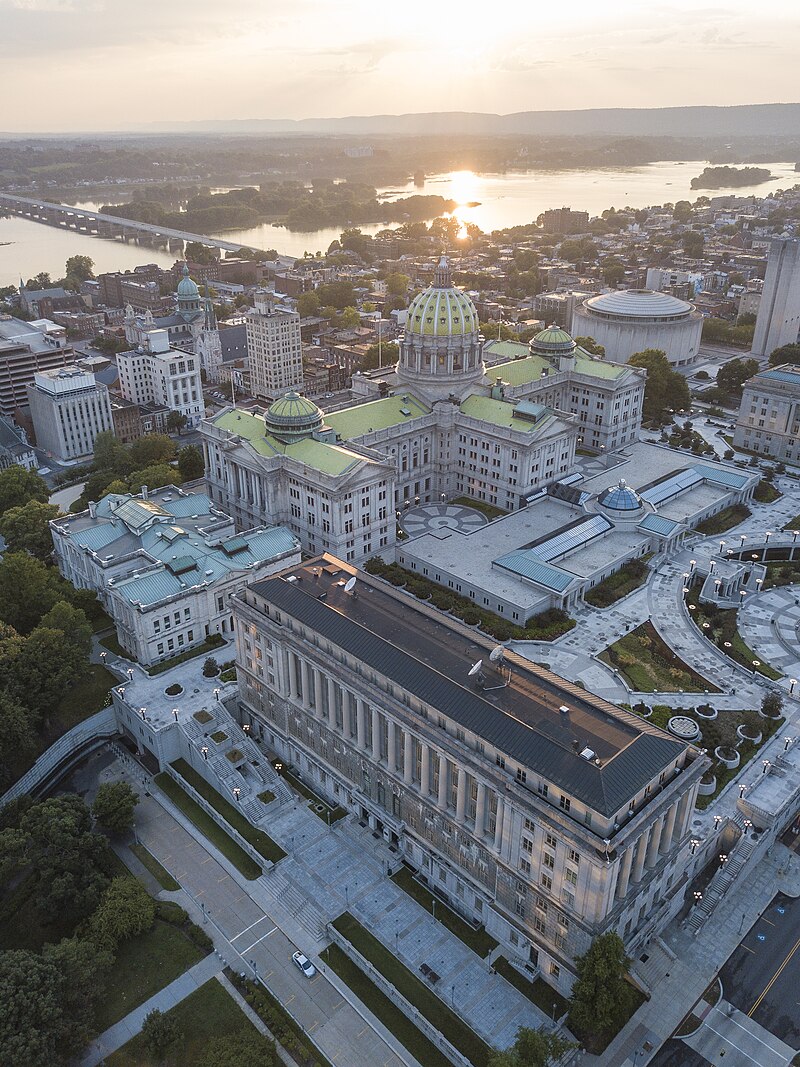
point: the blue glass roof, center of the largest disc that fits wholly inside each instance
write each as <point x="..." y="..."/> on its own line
<point x="723" y="476"/>
<point x="792" y="377"/>
<point x="525" y="564"/>
<point x="620" y="498"/>
<point x="571" y="537"/>
<point x="670" y="486"/>
<point x="657" y="524"/>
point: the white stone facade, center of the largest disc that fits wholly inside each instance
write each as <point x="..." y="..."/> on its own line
<point x="69" y="409"/>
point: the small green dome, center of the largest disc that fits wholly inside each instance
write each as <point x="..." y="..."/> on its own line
<point x="293" y="417"/>
<point x="552" y="340"/>
<point x="442" y="310"/>
<point x="187" y="289"/>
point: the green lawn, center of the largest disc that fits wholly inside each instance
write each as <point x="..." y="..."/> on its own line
<point x="207" y="1013"/>
<point x="144" y="965"/>
<point x="724" y="520"/>
<point x="82" y="700"/>
<point x="766" y="493"/>
<point x="207" y="826"/>
<point x="721" y="629"/>
<point x="537" y="991"/>
<point x="328" y="814"/>
<point x="161" y="874"/>
<point x="389" y="1014"/>
<point x="489" y="510"/>
<point x="793" y="523"/>
<point x="260" y="841"/>
<point x="478" y="940"/>
<point x="415" y="990"/>
<point x="111" y="642"/>
<point x="616" y="586"/>
<point x="648" y="665"/>
<point x="208" y="646"/>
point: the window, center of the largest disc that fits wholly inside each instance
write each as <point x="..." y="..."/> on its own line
<point x="522" y="776"/>
<point x="548" y="860"/>
<point x="574" y="857"/>
<point x="565" y="802"/>
<point x="546" y="881"/>
<point x="525" y="866"/>
<point x="539" y="924"/>
<point x="527" y="845"/>
<point x="530" y="826"/>
<point x="570" y="876"/>
<point x="550" y="840"/>
<point x="555" y="970"/>
<point x="500" y="760"/>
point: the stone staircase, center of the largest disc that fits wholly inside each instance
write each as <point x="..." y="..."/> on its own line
<point x="723" y="879"/>
<point x="293" y="901"/>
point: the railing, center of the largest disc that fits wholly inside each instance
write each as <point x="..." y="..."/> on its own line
<point x="407" y="1008"/>
<point x="71" y="744"/>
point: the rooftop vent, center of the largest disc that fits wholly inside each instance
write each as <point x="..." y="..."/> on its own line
<point x="564" y="709"/>
<point x="588" y="754"/>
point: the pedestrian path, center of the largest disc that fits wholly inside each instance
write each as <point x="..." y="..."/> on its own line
<point x="769" y="625"/>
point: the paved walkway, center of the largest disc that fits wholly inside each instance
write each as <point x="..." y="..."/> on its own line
<point x="433" y="518"/>
<point x="769" y="624"/>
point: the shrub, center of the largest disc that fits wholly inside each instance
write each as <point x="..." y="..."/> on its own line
<point x="210" y="668"/>
<point x="173" y="690"/>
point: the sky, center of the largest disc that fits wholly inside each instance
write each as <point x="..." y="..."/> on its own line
<point x="70" y="65"/>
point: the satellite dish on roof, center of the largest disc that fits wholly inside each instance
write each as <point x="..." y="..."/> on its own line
<point x="350" y="584"/>
<point x="497" y="653"/>
<point x="475" y="669"/>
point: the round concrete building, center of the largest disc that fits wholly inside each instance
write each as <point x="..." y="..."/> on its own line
<point x="630" y="320"/>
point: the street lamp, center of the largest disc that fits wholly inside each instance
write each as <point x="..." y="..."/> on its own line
<point x="742" y="791"/>
<point x="204" y="750"/>
<point x="767" y="536"/>
<point x="143" y="713"/>
<point x="236" y="793"/>
<point x="721" y="546"/>
<point x="698" y="896"/>
<point x="794" y="534"/>
<point x="792" y="684"/>
<point x="723" y="859"/>
<point x="175" y="714"/>
<point x="713" y="562"/>
<point x="129" y="672"/>
<point x="742" y="539"/>
<point x="786" y="742"/>
<point x="748" y="823"/>
<point x="692" y="565"/>
<point x="103" y="657"/>
<point x="717" y="821"/>
<point x="246" y="727"/>
<point x="765" y="766"/>
<point x="693" y="845"/>
<point x="216" y="693"/>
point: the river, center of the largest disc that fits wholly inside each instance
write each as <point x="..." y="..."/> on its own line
<point x="508" y="199"/>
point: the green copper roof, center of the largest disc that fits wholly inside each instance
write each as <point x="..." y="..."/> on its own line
<point x="292" y="417"/>
<point x="442" y="313"/>
<point x="186" y="287"/>
<point x="321" y="456"/>
<point x="597" y="368"/>
<point x="519" y="371"/>
<point x="553" y="339"/>
<point x="501" y="413"/>
<point x="377" y="415"/>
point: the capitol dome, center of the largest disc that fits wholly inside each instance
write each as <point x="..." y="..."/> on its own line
<point x="620" y="498"/>
<point x="630" y="320"/>
<point x="293" y="417"/>
<point x="441" y="351"/>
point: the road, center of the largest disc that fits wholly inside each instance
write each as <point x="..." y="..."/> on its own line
<point x="762" y="977"/>
<point x="341" y="1032"/>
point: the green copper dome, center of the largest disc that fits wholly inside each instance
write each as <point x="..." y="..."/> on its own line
<point x="442" y="310"/>
<point x="187" y="289"/>
<point x="553" y="339"/>
<point x="293" y="417"/>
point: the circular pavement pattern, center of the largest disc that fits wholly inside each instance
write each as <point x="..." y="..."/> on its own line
<point x="435" y="518"/>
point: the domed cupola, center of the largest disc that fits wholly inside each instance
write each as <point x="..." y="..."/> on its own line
<point x="555" y="345"/>
<point x="620" y="500"/>
<point x="293" y="417"/>
<point x="189" y="303"/>
<point x="441" y="352"/>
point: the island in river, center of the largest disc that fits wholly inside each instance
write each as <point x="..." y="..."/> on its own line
<point x="730" y="177"/>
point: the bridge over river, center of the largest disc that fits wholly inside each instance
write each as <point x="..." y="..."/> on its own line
<point x="82" y="220"/>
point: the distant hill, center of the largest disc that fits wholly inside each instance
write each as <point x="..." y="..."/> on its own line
<point x="742" y="120"/>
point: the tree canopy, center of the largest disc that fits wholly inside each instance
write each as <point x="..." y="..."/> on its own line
<point x="18" y="486"/>
<point x="600" y="991"/>
<point x="26" y="528"/>
<point x="238" y="1050"/>
<point x="114" y="806"/>
<point x="785" y="354"/>
<point x="190" y="463"/>
<point x="532" y="1048"/>
<point x="665" y="390"/>
<point x="125" y="910"/>
<point x="731" y="376"/>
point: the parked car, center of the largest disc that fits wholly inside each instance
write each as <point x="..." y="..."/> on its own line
<point x="305" y="964"/>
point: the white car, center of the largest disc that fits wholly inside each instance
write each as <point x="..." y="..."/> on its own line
<point x="305" y="964"/>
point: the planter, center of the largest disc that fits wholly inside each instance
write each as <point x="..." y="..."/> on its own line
<point x="708" y="715"/>
<point x="707" y="789"/>
<point x="683" y="727"/>
<point x="769" y="718"/>
<point x="744" y="735"/>
<point x="729" y="757"/>
<point x="173" y="690"/>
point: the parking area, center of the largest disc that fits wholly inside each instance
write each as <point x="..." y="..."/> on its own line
<point x="676" y="1054"/>
<point x="762" y="976"/>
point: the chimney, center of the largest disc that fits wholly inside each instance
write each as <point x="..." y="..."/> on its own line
<point x="144" y="492"/>
<point x="93" y="509"/>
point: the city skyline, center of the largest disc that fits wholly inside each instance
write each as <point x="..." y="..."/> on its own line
<point x="252" y="61"/>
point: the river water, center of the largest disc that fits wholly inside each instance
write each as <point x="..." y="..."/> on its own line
<point x="509" y="199"/>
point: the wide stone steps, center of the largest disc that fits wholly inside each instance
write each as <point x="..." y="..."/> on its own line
<point x="293" y="901"/>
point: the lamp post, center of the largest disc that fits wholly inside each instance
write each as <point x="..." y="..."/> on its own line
<point x="786" y="742"/>
<point x="792" y="684"/>
<point x="175" y="714"/>
<point x="693" y="845"/>
<point x="236" y="793"/>
<point x="143" y="713"/>
<point x="717" y="821"/>
<point x="129" y="673"/>
<point x="216" y="693"/>
<point x="742" y="539"/>
<point x="767" y="536"/>
<point x="698" y="896"/>
<point x="765" y="765"/>
<point x="742" y="791"/>
<point x="204" y="750"/>
<point x="723" y="859"/>
<point x="103" y="656"/>
<point x="722" y="546"/>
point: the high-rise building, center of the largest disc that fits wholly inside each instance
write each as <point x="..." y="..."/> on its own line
<point x="157" y="373"/>
<point x="69" y="409"/>
<point x="274" y="348"/>
<point x="778" y="319"/>
<point x="25" y="348"/>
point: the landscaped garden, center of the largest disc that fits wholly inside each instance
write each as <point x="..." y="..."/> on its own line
<point x="476" y="938"/>
<point x="546" y="626"/>
<point x="648" y="665"/>
<point x="320" y="807"/>
<point x="766" y="493"/>
<point x="630" y="576"/>
<point x="724" y="520"/>
<point x="279" y="1022"/>
<point x="719" y="626"/>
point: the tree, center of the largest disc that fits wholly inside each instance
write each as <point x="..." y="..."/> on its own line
<point x="731" y="376"/>
<point x="532" y="1048"/>
<point x="26" y="528"/>
<point x="32" y="1017"/>
<point x="199" y="253"/>
<point x="785" y="354"/>
<point x="338" y="294"/>
<point x="67" y="856"/>
<point x="350" y="318"/>
<point x="772" y="705"/>
<point x="154" y="477"/>
<point x="160" y="1032"/>
<point x="79" y="269"/>
<point x="588" y="344"/>
<point x="308" y="304"/>
<point x="176" y="421"/>
<point x="389" y="355"/>
<point x="613" y="271"/>
<point x="125" y="910"/>
<point x="42" y="280"/>
<point x="693" y="243"/>
<point x="110" y="453"/>
<point x="114" y="806"/>
<point x="210" y="668"/>
<point x="18" y="486"/>
<point x="28" y="589"/>
<point x="665" y="390"/>
<point x="48" y="665"/>
<point x="238" y="1050"/>
<point x="17" y="736"/>
<point x="190" y="463"/>
<point x="600" y="993"/>
<point x="150" y="449"/>
<point x="682" y="211"/>
<point x="72" y="623"/>
<point x="82" y="965"/>
<point x="397" y="284"/>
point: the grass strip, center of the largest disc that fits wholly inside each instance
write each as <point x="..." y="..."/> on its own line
<point x="161" y="874"/>
<point x="538" y="991"/>
<point x="211" y="644"/>
<point x="415" y="991"/>
<point x="395" y="1021"/>
<point x="649" y="665"/>
<point x="630" y="576"/>
<point x="207" y="826"/>
<point x="478" y="940"/>
<point x="724" y="520"/>
<point x="261" y="842"/>
<point x="335" y="813"/>
<point x="279" y="1022"/>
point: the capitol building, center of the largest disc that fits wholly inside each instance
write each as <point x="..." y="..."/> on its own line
<point x="450" y="428"/>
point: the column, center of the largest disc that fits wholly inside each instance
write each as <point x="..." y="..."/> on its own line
<point x="624" y="873"/>
<point x="318" y="704"/>
<point x="683" y="809"/>
<point x="498" y="826"/>
<point x="461" y="795"/>
<point x="638" y="866"/>
<point x="655" y="841"/>
<point x="391" y="756"/>
<point x="307" y="682"/>
<point x="408" y="758"/>
<point x="376" y="734"/>
<point x="480" y="810"/>
<point x="669" y="828"/>
<point x="444" y="778"/>
<point x="332" y="703"/>
<point x="361" y="724"/>
<point x="425" y="774"/>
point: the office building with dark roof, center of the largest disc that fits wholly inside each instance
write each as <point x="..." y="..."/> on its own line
<point x="529" y="805"/>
